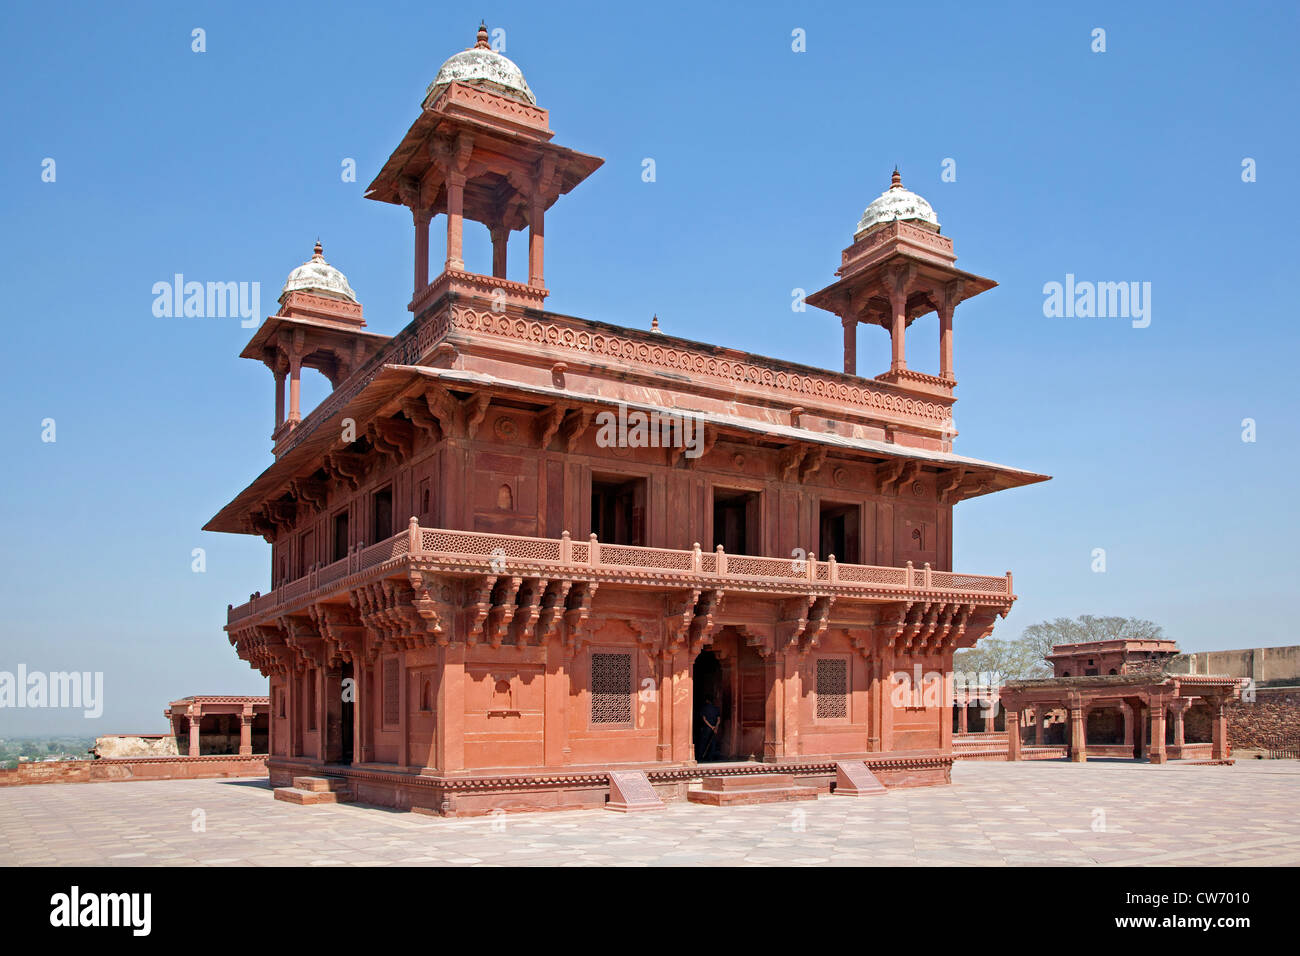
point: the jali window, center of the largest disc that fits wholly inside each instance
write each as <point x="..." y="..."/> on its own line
<point x="832" y="688"/>
<point x="611" y="688"/>
<point x="392" y="692"/>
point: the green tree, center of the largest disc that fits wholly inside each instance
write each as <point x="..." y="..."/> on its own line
<point x="1025" y="657"/>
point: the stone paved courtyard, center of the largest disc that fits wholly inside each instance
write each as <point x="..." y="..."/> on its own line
<point x="994" y="814"/>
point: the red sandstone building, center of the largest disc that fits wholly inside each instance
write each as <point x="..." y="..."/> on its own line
<point x="480" y="600"/>
<point x="1122" y="699"/>
<point x="220" y="725"/>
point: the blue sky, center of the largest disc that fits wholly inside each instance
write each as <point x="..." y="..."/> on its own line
<point x="225" y="165"/>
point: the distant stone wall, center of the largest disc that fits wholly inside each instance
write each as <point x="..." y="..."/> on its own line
<point x="1274" y="714"/>
<point x="140" y="768"/>
<point x="1265" y="665"/>
<point x="143" y="745"/>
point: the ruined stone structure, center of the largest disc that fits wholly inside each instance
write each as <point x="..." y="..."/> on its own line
<point x="485" y="595"/>
<point x="1122" y="699"/>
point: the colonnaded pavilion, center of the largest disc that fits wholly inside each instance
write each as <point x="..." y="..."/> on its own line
<point x="478" y="601"/>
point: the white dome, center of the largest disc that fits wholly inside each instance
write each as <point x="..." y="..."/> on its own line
<point x="481" y="65"/>
<point x="897" y="203"/>
<point x="318" y="276"/>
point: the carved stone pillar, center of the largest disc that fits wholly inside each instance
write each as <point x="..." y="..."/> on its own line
<point x="536" y="241"/>
<point x="1078" y="733"/>
<point x="1158" y="754"/>
<point x="195" y="717"/>
<point x="500" y="242"/>
<point x="455" y="219"/>
<point x="279" y="396"/>
<point x="421" y="218"/>
<point x="1013" y="733"/>
<point x="246" y="733"/>
<point x="850" y="346"/>
<point x="945" y="341"/>
<point x="898" y="322"/>
<point x="555" y="728"/>
<point x="449" y="721"/>
<point x="1219" y="749"/>
<point x="295" y="385"/>
<point x="1040" y="718"/>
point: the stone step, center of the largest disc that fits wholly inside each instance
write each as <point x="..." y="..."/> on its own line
<point x="747" y="789"/>
<point x="750" y="781"/>
<point x="309" y="798"/>
<point x="320" y="784"/>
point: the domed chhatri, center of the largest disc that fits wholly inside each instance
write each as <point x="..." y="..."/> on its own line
<point x="318" y="276"/>
<point x="483" y="66"/>
<point x="897" y="203"/>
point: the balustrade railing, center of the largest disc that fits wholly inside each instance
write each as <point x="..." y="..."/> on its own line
<point x="501" y="551"/>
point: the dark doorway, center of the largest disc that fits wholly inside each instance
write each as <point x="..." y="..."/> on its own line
<point x="839" y="533"/>
<point x="708" y="686"/>
<point x="339" y="543"/>
<point x="618" y="509"/>
<point x="735" y="520"/>
<point x="383" y="516"/>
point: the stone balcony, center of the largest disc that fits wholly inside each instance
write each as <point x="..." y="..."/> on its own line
<point x="476" y="553"/>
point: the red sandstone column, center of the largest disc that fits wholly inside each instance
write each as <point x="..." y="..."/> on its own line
<point x="1179" y="708"/>
<point x="500" y="241"/>
<point x="792" y="693"/>
<point x="245" y="733"/>
<point x="1158" y="753"/>
<point x="359" y="700"/>
<point x="850" y="346"/>
<point x="774" y="708"/>
<point x="1040" y="716"/>
<point x="555" y="728"/>
<point x="450" y="719"/>
<point x="279" y="397"/>
<point x="1013" y="734"/>
<point x="536" y="241"/>
<point x="1219" y="749"/>
<point x="295" y="385"/>
<point x="455" y="220"/>
<point x="403" y="719"/>
<point x="195" y="717"/>
<point x="421" y="218"/>
<point x="1126" y="711"/>
<point x="1078" y="735"/>
<point x="963" y="718"/>
<point x="898" y="328"/>
<point x="945" y="341"/>
<point x="990" y="715"/>
<point x="683" y="703"/>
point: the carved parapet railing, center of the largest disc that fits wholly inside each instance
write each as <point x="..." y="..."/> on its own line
<point x="629" y="348"/>
<point x="477" y="553"/>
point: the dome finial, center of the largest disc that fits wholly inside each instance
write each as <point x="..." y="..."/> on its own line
<point x="319" y="250"/>
<point x="896" y="181"/>
<point x="481" y="42"/>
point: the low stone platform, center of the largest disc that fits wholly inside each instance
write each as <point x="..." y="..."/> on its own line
<point x="307" y="791"/>
<point x="749" y="789"/>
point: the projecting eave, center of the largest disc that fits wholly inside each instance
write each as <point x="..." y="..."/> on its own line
<point x="393" y="382"/>
<point x="306" y="456"/>
<point x="453" y="377"/>
<point x="833" y="298"/>
<point x="264" y="338"/>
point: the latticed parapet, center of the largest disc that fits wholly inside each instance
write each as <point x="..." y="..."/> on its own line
<point x="429" y="586"/>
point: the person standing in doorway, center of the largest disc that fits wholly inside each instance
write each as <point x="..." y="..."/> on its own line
<point x="712" y="718"/>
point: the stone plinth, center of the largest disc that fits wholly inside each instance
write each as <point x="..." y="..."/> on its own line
<point x="630" y="792"/>
<point x="747" y="789"/>
<point x="853" y="779"/>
